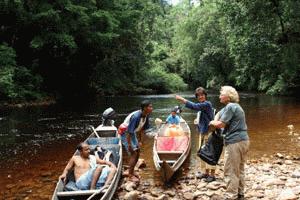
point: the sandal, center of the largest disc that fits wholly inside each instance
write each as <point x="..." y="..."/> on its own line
<point x="210" y="179"/>
<point x="200" y="175"/>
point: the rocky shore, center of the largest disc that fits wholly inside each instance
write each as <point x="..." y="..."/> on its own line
<point x="276" y="177"/>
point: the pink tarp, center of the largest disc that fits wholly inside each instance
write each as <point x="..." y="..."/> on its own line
<point x="178" y="143"/>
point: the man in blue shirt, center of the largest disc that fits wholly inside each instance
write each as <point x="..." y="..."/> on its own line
<point x="134" y="124"/>
<point x="207" y="114"/>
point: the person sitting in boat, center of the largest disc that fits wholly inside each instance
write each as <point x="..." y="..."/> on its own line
<point x="87" y="171"/>
<point x="134" y="125"/>
<point x="173" y="118"/>
<point x="173" y="121"/>
<point x="207" y="114"/>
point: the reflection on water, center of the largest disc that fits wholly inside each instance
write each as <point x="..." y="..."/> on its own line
<point x="45" y="137"/>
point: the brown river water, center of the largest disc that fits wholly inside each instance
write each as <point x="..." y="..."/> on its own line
<point x="36" y="142"/>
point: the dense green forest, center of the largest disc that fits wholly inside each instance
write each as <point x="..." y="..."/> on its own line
<point x="71" y="48"/>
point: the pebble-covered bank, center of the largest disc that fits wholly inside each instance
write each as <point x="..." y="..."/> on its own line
<point x="275" y="177"/>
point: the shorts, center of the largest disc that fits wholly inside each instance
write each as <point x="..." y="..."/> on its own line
<point x="134" y="141"/>
<point x="85" y="180"/>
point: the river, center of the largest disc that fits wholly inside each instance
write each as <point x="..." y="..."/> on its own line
<point x="36" y="142"/>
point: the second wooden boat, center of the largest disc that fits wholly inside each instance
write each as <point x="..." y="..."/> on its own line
<point x="171" y="148"/>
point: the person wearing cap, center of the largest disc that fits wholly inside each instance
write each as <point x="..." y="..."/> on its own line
<point x="173" y="118"/>
<point x="232" y="119"/>
<point x="130" y="130"/>
<point x="207" y="114"/>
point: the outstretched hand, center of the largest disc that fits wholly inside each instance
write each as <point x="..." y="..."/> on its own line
<point x="180" y="98"/>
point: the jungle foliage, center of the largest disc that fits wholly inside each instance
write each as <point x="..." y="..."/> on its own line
<point x="70" y="48"/>
<point x="253" y="45"/>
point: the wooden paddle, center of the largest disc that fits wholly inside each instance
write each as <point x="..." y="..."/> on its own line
<point x="95" y="132"/>
<point x="98" y="192"/>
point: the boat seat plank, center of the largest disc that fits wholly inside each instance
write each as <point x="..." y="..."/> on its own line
<point x="169" y="152"/>
<point x="167" y="161"/>
<point x="75" y="193"/>
<point x="103" y="141"/>
<point x="169" y="155"/>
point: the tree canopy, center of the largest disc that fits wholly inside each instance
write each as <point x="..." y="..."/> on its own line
<point x="253" y="45"/>
<point x="70" y="48"/>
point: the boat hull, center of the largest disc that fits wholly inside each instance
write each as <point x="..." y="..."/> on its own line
<point x="168" y="162"/>
<point x="107" y="194"/>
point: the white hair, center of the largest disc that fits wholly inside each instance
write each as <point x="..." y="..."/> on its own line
<point x="231" y="93"/>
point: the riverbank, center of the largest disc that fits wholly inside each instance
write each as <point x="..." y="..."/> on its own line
<point x="275" y="177"/>
<point x="42" y="102"/>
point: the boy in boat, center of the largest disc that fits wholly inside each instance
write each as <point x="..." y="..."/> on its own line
<point x="206" y="116"/>
<point x="134" y="125"/>
<point x="173" y="118"/>
<point x="88" y="174"/>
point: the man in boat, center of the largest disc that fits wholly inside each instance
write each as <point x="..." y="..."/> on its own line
<point x="133" y="126"/>
<point x="88" y="174"/>
<point x="207" y="114"/>
<point x="173" y="118"/>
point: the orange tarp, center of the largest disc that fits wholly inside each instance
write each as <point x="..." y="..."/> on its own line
<point x="173" y="130"/>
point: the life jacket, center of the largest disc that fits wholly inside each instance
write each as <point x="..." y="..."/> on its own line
<point x="122" y="128"/>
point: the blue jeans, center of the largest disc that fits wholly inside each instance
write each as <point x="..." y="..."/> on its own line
<point x="134" y="141"/>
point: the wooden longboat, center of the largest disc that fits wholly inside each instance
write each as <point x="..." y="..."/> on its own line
<point x="108" y="138"/>
<point x="168" y="161"/>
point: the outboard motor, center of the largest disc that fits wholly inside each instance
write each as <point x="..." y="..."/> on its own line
<point x="108" y="117"/>
<point x="178" y="109"/>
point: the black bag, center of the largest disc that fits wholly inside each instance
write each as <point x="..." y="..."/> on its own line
<point x="102" y="153"/>
<point x="212" y="150"/>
